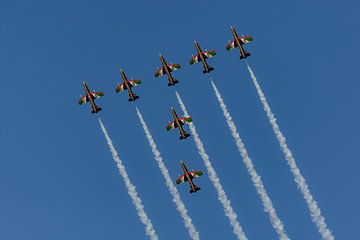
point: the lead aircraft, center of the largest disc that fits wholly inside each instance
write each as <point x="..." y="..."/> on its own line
<point x="127" y="85"/>
<point x="167" y="69"/>
<point x="188" y="177"/>
<point x="239" y="42"/>
<point x="178" y="123"/>
<point x="202" y="56"/>
<point x="90" y="97"/>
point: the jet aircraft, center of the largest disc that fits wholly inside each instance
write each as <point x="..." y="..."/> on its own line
<point x="202" y="56"/>
<point x="127" y="85"/>
<point x="178" y="123"/>
<point x="239" y="42"/>
<point x="188" y="177"/>
<point x="167" y="69"/>
<point x="90" y="97"/>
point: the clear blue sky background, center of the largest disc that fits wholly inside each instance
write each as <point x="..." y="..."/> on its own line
<point x="57" y="177"/>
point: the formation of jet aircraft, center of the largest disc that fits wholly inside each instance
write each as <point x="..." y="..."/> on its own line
<point x="188" y="177"/>
<point x="167" y="69"/>
<point x="127" y="85"/>
<point x="178" y="123"/>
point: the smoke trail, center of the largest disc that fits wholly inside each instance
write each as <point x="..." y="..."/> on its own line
<point x="149" y="229"/>
<point x="315" y="211"/>
<point x="229" y="212"/>
<point x="169" y="183"/>
<point x="256" y="179"/>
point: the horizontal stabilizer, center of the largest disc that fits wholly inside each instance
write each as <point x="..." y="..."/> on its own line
<point x="246" y="55"/>
<point x="197" y="188"/>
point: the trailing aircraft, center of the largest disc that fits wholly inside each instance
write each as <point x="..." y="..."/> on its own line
<point x="178" y="123"/>
<point x="127" y="85"/>
<point x="202" y="56"/>
<point x="188" y="177"/>
<point x="90" y="97"/>
<point x="167" y="69"/>
<point x="238" y="42"/>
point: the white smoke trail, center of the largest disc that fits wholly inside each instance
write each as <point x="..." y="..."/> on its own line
<point x="315" y="211"/>
<point x="169" y="183"/>
<point x="229" y="212"/>
<point x="256" y="179"/>
<point x="149" y="229"/>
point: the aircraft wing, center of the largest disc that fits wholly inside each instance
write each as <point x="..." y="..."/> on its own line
<point x="159" y="72"/>
<point x="134" y="83"/>
<point x="209" y="54"/>
<point x="120" y="88"/>
<point x="195" y="174"/>
<point x="171" y="125"/>
<point x="174" y="67"/>
<point x="181" y="179"/>
<point x="231" y="45"/>
<point x="185" y="120"/>
<point x="206" y="55"/>
<point x="97" y="94"/>
<point x="242" y="40"/>
<point x="82" y="100"/>
<point x="245" y="39"/>
<point x="194" y="59"/>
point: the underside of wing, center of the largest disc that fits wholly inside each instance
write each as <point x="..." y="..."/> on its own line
<point x="209" y="54"/>
<point x="174" y="67"/>
<point x="120" y="87"/>
<point x="82" y="100"/>
<point x="194" y="59"/>
<point x="185" y="120"/>
<point x="181" y="179"/>
<point x="171" y="125"/>
<point x="134" y="83"/>
<point x="245" y="39"/>
<point x="97" y="94"/>
<point x="159" y="72"/>
<point x="231" y="45"/>
<point x="195" y="174"/>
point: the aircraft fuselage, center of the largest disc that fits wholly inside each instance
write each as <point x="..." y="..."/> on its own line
<point x="207" y="68"/>
<point x="168" y="73"/>
<point x="193" y="187"/>
<point x="132" y="96"/>
<point x="183" y="134"/>
<point x="243" y="53"/>
<point x="95" y="109"/>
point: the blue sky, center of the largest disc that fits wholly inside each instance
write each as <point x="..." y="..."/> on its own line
<point x="57" y="177"/>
